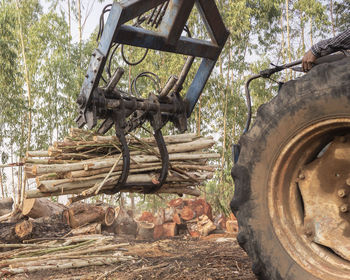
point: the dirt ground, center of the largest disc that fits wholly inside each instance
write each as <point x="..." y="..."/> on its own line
<point x="213" y="257"/>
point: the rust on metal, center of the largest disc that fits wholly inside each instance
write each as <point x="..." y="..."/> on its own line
<point x="324" y="197"/>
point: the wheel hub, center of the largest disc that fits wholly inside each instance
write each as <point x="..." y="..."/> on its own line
<point x="325" y="189"/>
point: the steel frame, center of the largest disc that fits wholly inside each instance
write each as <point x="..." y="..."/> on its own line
<point x="169" y="39"/>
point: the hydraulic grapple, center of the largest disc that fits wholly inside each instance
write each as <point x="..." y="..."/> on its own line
<point x="157" y="25"/>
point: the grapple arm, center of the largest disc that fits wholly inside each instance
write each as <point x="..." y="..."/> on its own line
<point x="167" y="19"/>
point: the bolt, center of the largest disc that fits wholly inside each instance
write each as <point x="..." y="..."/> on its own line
<point x="341" y="193"/>
<point x="81" y="100"/>
<point x="99" y="58"/>
<point x="95" y="70"/>
<point x="348" y="182"/>
<point x="344" y="208"/>
<point x="87" y="76"/>
<point x="301" y="176"/>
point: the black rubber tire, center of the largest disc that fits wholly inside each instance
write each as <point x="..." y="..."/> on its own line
<point x="323" y="92"/>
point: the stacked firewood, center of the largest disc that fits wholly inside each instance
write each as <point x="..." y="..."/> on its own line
<point x="88" y="164"/>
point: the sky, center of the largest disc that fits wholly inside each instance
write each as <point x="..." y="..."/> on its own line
<point x="91" y="10"/>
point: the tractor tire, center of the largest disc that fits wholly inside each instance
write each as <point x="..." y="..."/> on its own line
<point x="290" y="132"/>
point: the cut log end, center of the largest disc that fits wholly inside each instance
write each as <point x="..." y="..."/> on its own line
<point x="23" y="229"/>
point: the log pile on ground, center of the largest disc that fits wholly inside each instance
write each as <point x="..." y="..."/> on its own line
<point x="86" y="164"/>
<point x="192" y="216"/>
<point x="61" y="254"/>
<point x="41" y="218"/>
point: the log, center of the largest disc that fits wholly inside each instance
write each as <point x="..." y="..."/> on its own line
<point x="81" y="214"/>
<point x="176" y="203"/>
<point x="23" y="229"/>
<point x="200" y="207"/>
<point x="145" y="230"/>
<point x="159" y="217"/>
<point x="108" y="162"/>
<point x="6" y="206"/>
<point x="167" y="188"/>
<point x="41" y="207"/>
<point x="193" y="229"/>
<point x="177" y="219"/>
<point x="146" y="217"/>
<point x="187" y="213"/>
<point x="94" y="228"/>
<point x="169" y="229"/>
<point x="205" y="225"/>
<point x="232" y="226"/>
<point x="158" y="231"/>
<point x="168" y="139"/>
<point x="37" y="154"/>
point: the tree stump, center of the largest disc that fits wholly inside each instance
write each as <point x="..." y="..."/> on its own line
<point x="145" y="230"/>
<point x="169" y="229"/>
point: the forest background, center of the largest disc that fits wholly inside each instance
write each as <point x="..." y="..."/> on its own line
<point x="42" y="67"/>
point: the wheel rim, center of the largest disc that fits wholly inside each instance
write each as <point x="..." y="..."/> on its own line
<point x="289" y="202"/>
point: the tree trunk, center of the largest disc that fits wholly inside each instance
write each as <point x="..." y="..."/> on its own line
<point x="332" y="18"/>
<point x="187" y="213"/>
<point x="6" y="206"/>
<point x="2" y="185"/>
<point x="289" y="50"/>
<point x="205" y="225"/>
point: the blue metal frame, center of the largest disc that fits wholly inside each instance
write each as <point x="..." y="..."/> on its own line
<point x="168" y="39"/>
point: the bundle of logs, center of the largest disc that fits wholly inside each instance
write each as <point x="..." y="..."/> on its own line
<point x="86" y="164"/>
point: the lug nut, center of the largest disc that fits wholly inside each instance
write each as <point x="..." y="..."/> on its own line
<point x="348" y="182"/>
<point x="341" y="193"/>
<point x="344" y="208"/>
